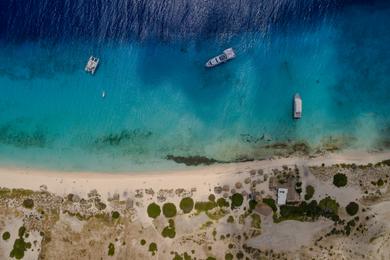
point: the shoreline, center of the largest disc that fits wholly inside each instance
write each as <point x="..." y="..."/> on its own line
<point x="122" y="210"/>
<point x="200" y="177"/>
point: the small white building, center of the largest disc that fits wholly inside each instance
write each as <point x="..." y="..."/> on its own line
<point x="282" y="196"/>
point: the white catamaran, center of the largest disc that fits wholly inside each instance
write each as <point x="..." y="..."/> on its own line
<point x="227" y="54"/>
<point x="92" y="64"/>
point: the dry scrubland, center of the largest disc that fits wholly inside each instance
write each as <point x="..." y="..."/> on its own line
<point x="342" y="212"/>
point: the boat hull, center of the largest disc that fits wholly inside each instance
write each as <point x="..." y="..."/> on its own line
<point x="297" y="107"/>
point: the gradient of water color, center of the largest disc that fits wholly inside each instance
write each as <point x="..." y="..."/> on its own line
<point x="160" y="98"/>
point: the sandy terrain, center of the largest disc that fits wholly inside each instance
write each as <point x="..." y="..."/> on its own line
<point x="201" y="178"/>
<point x="71" y="236"/>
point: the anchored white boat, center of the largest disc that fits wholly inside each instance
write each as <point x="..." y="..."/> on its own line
<point x="92" y="64"/>
<point x="227" y="54"/>
<point x="297" y="106"/>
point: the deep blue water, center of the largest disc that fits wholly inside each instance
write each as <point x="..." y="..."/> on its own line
<point x="160" y="98"/>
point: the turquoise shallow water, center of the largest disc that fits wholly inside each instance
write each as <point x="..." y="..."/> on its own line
<point x="161" y="100"/>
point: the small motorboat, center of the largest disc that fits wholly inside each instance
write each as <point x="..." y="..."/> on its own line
<point x="103" y="94"/>
<point x="297" y="106"/>
<point x="92" y="64"/>
<point x="227" y="54"/>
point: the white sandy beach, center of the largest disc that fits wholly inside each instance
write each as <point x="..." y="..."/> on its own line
<point x="201" y="178"/>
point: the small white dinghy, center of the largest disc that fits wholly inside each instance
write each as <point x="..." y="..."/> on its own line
<point x="103" y="94"/>
<point x="227" y="54"/>
<point x="297" y="106"/>
<point x="92" y="64"/>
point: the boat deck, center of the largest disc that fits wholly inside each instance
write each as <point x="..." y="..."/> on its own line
<point x="92" y="65"/>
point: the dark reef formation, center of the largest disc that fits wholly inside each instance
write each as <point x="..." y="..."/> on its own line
<point x="192" y="160"/>
<point x="125" y="136"/>
<point x="22" y="139"/>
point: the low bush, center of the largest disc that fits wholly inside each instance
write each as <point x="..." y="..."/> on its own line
<point x="20" y="246"/>
<point x="169" y="210"/>
<point x="252" y="204"/>
<point x="212" y="197"/>
<point x="169" y="232"/>
<point x="6" y="235"/>
<point x="115" y="214"/>
<point x="153" y="248"/>
<point x="386" y="162"/>
<point x="154" y="210"/>
<point x="21" y="231"/>
<point x="270" y="202"/>
<point x="221" y="202"/>
<point x="186" y="204"/>
<point x="309" y="192"/>
<point x="111" y="249"/>
<point x="237" y="200"/>
<point x="28" y="203"/>
<point x="327" y="207"/>
<point x="352" y="208"/>
<point x="204" y="205"/>
<point x="340" y="180"/>
<point x="256" y="221"/>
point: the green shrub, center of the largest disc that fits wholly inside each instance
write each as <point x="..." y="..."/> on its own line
<point x="237" y="200"/>
<point x="100" y="205"/>
<point x="386" y="162"/>
<point x="28" y="203"/>
<point x="252" y="204"/>
<point x="143" y="242"/>
<point x="240" y="255"/>
<point x="169" y="210"/>
<point x="154" y="210"/>
<point x="228" y="256"/>
<point x="21" y="231"/>
<point x="221" y="202"/>
<point x="186" y="204"/>
<point x="111" y="249"/>
<point x="212" y="197"/>
<point x="270" y="202"/>
<point x="309" y="211"/>
<point x="340" y="180"/>
<point x="178" y="257"/>
<point x="309" y="192"/>
<point x="169" y="232"/>
<point x="256" y="221"/>
<point x="329" y="207"/>
<point x="20" y="246"/>
<point x="204" y="205"/>
<point x="352" y="208"/>
<point x="153" y="248"/>
<point x="292" y="212"/>
<point x="349" y="226"/>
<point x="380" y="182"/>
<point x="230" y="219"/>
<point x="6" y="235"/>
<point x="115" y="214"/>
